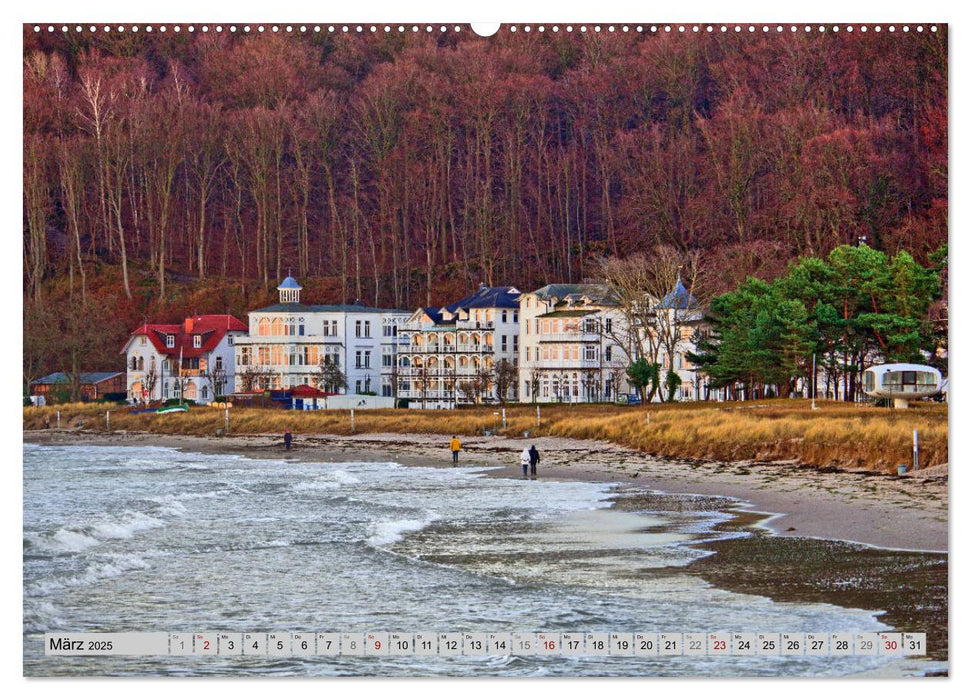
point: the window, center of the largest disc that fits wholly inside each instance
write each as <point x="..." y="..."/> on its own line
<point x="608" y="325"/>
<point x="169" y="340"/>
<point x="264" y="355"/>
<point x="504" y="343"/>
<point x="367" y="359"/>
<point x="590" y="352"/>
<point x="219" y="363"/>
<point x="504" y="320"/>
<point x="264" y="326"/>
<point x="144" y="339"/>
<point x="367" y="329"/>
<point x="526" y="388"/>
<point x="276" y="328"/>
<point x="357" y="329"/>
<point x="205" y="392"/>
<point x="357" y="387"/>
<point x="515" y="343"/>
<point x="386" y="360"/>
<point x="244" y="356"/>
<point x="301" y="329"/>
<point x="608" y="353"/>
<point x="358" y="358"/>
<point x="527" y="353"/>
<point x="197" y="341"/>
<point x="230" y="339"/>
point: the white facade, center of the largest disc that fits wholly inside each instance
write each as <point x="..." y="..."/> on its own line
<point x="449" y="355"/>
<point x="568" y="352"/>
<point x="288" y="342"/>
<point x="576" y="345"/>
<point x="193" y="361"/>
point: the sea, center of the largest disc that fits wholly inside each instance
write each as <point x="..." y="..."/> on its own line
<point x="154" y="539"/>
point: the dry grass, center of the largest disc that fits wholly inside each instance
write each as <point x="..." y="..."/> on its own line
<point x="835" y="435"/>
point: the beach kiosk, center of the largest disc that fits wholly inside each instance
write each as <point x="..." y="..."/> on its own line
<point x="901" y="382"/>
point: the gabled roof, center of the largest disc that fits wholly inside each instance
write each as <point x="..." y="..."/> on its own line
<point x="678" y="298"/>
<point x="212" y="328"/>
<point x="598" y="294"/>
<point x="84" y="378"/>
<point x="488" y="298"/>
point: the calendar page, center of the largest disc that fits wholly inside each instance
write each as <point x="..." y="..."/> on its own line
<point x="437" y="349"/>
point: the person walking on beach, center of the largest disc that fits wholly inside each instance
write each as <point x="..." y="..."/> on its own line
<point x="533" y="460"/>
<point x="524" y="459"/>
<point x="454" y="445"/>
<point x="287" y="438"/>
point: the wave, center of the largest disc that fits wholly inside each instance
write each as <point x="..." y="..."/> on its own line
<point x="107" y="566"/>
<point x="391" y="531"/>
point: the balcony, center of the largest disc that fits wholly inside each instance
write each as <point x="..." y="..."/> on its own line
<point x="573" y="337"/>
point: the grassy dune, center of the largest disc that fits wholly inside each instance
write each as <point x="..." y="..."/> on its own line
<point x="836" y="435"/>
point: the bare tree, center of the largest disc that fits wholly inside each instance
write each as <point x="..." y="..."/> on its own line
<point x="504" y="376"/>
<point x="215" y="377"/>
<point x="656" y="295"/>
<point x="150" y="381"/>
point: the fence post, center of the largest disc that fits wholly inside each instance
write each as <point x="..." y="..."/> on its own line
<point x="537" y="415"/>
<point x="503" y="418"/>
<point x="58" y="419"/>
<point x="108" y="421"/>
<point x="352" y="420"/>
<point x="648" y="419"/>
<point x="227" y="420"/>
<point x="916" y="453"/>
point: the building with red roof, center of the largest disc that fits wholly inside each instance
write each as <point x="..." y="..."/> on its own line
<point x="192" y="360"/>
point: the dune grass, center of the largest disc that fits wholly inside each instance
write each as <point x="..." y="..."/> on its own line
<point x="836" y="435"/>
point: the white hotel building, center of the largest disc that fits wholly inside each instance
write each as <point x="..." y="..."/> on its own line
<point x="566" y="353"/>
<point x="288" y="341"/>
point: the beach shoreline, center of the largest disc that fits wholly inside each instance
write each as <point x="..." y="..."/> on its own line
<point x="878" y="510"/>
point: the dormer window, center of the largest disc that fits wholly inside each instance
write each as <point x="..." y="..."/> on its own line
<point x="197" y="341"/>
<point x="169" y="340"/>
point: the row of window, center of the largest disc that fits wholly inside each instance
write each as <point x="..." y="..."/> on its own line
<point x="296" y="326"/>
<point x="137" y="364"/>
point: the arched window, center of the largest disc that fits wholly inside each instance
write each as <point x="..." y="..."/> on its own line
<point x="276" y="327"/>
<point x="475" y="340"/>
<point x="463" y="339"/>
<point x="141" y="363"/>
<point x="264" y="326"/>
<point x="463" y="362"/>
<point x="488" y="339"/>
<point x="432" y="363"/>
<point x="405" y="362"/>
<point x="151" y="362"/>
<point x="134" y="363"/>
<point x="205" y="392"/>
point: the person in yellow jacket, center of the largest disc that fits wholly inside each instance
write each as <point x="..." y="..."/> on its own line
<point x="454" y="445"/>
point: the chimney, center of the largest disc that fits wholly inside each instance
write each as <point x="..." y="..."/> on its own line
<point x="189" y="324"/>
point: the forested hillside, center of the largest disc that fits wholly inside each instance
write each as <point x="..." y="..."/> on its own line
<point x="171" y="173"/>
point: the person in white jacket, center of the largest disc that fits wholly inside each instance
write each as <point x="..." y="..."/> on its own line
<point x="524" y="458"/>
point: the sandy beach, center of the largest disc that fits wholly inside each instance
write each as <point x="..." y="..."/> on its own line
<point x="904" y="513"/>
